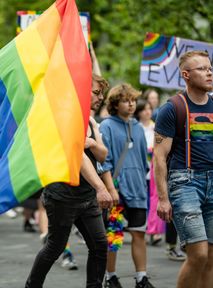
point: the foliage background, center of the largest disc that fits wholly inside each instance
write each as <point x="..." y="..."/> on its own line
<point x="119" y="26"/>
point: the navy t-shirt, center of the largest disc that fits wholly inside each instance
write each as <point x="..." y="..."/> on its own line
<point x="201" y="131"/>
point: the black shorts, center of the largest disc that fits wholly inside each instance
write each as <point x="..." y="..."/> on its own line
<point x="136" y="217"/>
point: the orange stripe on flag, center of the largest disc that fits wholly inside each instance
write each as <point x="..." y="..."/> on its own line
<point x="47" y="29"/>
<point x="65" y="108"/>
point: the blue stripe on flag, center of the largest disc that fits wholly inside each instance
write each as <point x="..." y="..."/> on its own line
<point x="8" y="124"/>
<point x="2" y="92"/>
<point x="8" y="199"/>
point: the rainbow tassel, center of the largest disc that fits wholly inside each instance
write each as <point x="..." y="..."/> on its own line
<point x="115" y="233"/>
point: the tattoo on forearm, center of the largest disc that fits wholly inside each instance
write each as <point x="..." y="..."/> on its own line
<point x="159" y="138"/>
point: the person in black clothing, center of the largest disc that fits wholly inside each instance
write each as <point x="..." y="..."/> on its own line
<point x="173" y="252"/>
<point x="66" y="205"/>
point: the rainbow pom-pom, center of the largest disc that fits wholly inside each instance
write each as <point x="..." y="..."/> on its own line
<point x="115" y="228"/>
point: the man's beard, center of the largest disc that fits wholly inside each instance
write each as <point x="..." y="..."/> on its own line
<point x="202" y="88"/>
<point x="95" y="107"/>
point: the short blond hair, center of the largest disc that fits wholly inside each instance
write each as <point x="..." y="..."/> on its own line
<point x="190" y="54"/>
<point x="121" y="91"/>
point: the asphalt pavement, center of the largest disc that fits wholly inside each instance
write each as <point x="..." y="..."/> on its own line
<point x="18" y="250"/>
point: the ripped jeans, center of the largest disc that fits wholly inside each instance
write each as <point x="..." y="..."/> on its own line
<point x="191" y="197"/>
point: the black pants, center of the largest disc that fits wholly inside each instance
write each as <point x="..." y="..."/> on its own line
<point x="171" y="234"/>
<point x="87" y="217"/>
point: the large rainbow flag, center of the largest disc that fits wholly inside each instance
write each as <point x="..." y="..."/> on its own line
<point x="45" y="88"/>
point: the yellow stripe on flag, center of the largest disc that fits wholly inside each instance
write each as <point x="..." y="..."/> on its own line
<point x="45" y="140"/>
<point x="47" y="29"/>
<point x="33" y="55"/>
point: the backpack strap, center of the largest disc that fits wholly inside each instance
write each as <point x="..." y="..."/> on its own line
<point x="183" y="123"/>
<point x="180" y="113"/>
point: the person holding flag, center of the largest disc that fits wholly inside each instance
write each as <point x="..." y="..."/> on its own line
<point x="44" y="118"/>
<point x="66" y="205"/>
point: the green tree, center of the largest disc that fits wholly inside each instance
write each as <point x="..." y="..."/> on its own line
<point x="119" y="28"/>
<point x="8" y="17"/>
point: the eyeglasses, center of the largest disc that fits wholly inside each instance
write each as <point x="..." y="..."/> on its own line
<point x="202" y="69"/>
<point x="98" y="93"/>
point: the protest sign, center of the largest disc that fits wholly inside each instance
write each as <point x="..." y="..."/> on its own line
<point x="25" y="18"/>
<point x="160" y="59"/>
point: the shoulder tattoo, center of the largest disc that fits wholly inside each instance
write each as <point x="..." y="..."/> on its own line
<point x="159" y="138"/>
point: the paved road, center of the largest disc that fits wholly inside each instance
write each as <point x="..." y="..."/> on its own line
<point x="18" y="249"/>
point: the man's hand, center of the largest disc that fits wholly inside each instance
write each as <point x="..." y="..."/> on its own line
<point x="93" y="122"/>
<point x="164" y="210"/>
<point x="115" y="196"/>
<point x="89" y="143"/>
<point x="103" y="197"/>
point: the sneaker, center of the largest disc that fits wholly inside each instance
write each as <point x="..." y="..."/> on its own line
<point x="28" y="227"/>
<point x="113" y="282"/>
<point x="155" y="239"/>
<point x="19" y="209"/>
<point x="11" y="213"/>
<point x="176" y="255"/>
<point x="144" y="283"/>
<point x="69" y="263"/>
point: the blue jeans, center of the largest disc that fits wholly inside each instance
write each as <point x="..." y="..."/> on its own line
<point x="87" y="217"/>
<point x="191" y="197"/>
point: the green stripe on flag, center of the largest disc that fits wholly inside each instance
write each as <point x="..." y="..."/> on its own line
<point x="24" y="177"/>
<point x="13" y="75"/>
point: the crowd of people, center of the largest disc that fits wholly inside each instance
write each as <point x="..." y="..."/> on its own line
<point x="125" y="164"/>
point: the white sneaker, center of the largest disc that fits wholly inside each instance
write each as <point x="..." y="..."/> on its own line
<point x="176" y="255"/>
<point x="69" y="263"/>
<point x="11" y="213"/>
<point x="19" y="209"/>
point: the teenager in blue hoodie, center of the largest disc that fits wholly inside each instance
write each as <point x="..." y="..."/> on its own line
<point x="117" y="130"/>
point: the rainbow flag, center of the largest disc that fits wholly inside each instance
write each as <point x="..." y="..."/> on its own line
<point x="45" y="89"/>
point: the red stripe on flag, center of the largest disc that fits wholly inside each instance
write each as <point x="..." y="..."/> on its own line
<point x="76" y="54"/>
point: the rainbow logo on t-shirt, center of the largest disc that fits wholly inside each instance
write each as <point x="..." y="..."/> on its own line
<point x="201" y="126"/>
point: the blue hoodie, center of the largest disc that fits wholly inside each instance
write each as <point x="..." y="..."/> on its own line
<point x="132" y="175"/>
